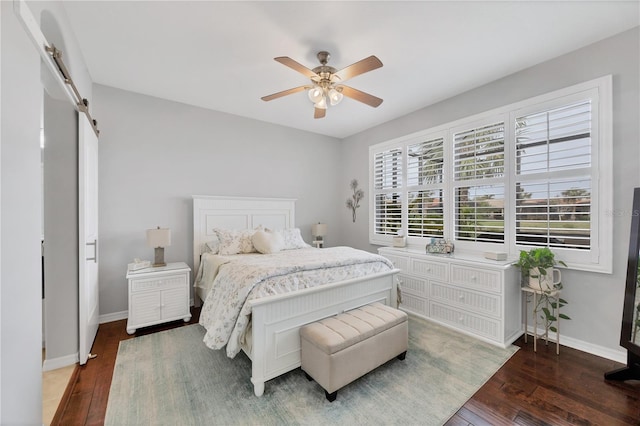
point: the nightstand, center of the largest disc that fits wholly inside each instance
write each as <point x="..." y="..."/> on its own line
<point x="158" y="295"/>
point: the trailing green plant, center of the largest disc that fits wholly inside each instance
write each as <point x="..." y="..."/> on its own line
<point x="542" y="260"/>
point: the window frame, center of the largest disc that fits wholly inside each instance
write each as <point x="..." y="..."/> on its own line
<point x="599" y="258"/>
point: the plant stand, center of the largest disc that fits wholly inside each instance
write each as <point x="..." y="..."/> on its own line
<point x="534" y="294"/>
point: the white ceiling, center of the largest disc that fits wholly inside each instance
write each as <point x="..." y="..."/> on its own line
<point x="219" y="55"/>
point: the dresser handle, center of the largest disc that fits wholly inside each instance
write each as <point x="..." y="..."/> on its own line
<point x="461" y="297"/>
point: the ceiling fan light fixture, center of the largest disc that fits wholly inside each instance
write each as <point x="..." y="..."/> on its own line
<point x="322" y="103"/>
<point x="316" y="94"/>
<point x="335" y="96"/>
<point x="327" y="88"/>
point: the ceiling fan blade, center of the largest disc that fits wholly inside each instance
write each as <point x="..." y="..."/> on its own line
<point x="360" y="96"/>
<point x="284" y="93"/>
<point x="285" y="60"/>
<point x="320" y="113"/>
<point x="367" y="64"/>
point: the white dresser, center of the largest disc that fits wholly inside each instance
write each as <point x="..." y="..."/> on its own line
<point x="158" y="295"/>
<point x="477" y="296"/>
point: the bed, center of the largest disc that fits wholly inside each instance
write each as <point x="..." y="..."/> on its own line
<point x="271" y="338"/>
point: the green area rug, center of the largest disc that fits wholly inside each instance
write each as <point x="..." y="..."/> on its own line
<point x="172" y="378"/>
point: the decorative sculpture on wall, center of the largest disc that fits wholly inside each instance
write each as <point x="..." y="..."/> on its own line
<point x="354" y="202"/>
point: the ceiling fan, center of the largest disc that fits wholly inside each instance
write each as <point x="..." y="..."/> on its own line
<point x="326" y="86"/>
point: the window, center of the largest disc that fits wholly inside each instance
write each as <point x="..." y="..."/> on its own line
<point x="387" y="177"/>
<point x="553" y="177"/>
<point x="478" y="165"/>
<point x="425" y="182"/>
<point x="535" y="173"/>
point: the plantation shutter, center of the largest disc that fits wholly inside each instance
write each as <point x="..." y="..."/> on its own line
<point x="479" y="153"/>
<point x="479" y="183"/>
<point x="425" y="188"/>
<point x="387" y="177"/>
<point x="553" y="177"/>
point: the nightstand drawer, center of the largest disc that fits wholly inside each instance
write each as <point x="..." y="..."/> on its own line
<point x="143" y="284"/>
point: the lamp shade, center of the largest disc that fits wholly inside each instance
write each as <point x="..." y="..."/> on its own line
<point x="159" y="237"/>
<point x="315" y="94"/>
<point x="334" y="97"/>
<point x="319" y="229"/>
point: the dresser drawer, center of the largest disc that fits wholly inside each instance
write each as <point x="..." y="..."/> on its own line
<point x="482" y="303"/>
<point x="398" y="261"/>
<point x="487" y="327"/>
<point x="480" y="279"/>
<point x="415" y="304"/>
<point x="429" y="269"/>
<point x="415" y="286"/>
<point x="144" y="284"/>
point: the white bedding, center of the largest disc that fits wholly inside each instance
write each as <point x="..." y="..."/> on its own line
<point x="236" y="279"/>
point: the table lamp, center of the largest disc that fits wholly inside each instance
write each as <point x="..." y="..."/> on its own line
<point x="159" y="238"/>
<point x="319" y="231"/>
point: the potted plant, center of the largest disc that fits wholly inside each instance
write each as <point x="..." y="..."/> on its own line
<point x="537" y="268"/>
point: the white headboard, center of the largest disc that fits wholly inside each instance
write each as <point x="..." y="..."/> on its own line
<point x="237" y="213"/>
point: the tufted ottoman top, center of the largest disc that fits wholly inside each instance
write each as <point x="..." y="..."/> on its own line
<point x="333" y="334"/>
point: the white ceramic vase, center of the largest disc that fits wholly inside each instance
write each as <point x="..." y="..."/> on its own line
<point x="544" y="282"/>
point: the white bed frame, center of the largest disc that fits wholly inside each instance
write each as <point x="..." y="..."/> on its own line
<point x="276" y="320"/>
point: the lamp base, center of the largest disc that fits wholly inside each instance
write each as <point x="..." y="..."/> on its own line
<point x="158" y="259"/>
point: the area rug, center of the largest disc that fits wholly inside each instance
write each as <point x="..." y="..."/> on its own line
<point x="172" y="378"/>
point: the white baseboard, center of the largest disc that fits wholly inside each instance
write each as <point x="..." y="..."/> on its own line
<point x="619" y="355"/>
<point x="115" y="316"/>
<point x="63" y="361"/>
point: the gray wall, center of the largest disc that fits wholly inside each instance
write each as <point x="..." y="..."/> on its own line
<point x="595" y="300"/>
<point x="20" y="284"/>
<point x="22" y="84"/>
<point x="60" y="228"/>
<point x="155" y="154"/>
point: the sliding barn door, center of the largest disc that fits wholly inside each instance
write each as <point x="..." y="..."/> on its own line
<point x="88" y="236"/>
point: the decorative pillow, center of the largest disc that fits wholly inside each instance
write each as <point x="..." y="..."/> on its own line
<point x="235" y="241"/>
<point x="212" y="246"/>
<point x="292" y="238"/>
<point x="267" y="242"/>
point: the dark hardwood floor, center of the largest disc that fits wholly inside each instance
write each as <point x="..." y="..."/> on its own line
<point x="530" y="389"/>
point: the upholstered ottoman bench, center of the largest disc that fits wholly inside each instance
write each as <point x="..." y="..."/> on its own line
<point x="340" y="349"/>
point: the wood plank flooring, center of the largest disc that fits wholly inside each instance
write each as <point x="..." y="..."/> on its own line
<point x="530" y="389"/>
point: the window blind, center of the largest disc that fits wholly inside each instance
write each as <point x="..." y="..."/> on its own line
<point x="479" y="153"/>
<point x="387" y="170"/>
<point x="553" y="188"/>
<point x="480" y="213"/>
<point x="388" y="213"/>
<point x="555" y="140"/>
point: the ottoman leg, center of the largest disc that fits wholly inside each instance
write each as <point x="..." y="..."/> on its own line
<point x="402" y="355"/>
<point x="331" y="396"/>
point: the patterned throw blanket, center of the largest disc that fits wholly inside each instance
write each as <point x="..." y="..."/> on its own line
<point x="240" y="278"/>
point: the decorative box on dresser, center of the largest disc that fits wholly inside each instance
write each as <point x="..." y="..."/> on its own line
<point x="477" y="296"/>
<point x="157" y="295"/>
